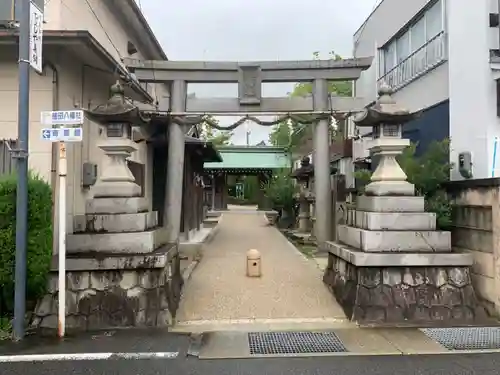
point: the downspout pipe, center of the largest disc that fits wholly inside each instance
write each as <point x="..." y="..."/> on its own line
<point x="54" y="155"/>
<point x="55" y="107"/>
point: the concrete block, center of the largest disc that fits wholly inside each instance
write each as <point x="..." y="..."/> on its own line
<point x="116" y="205"/>
<point x="110" y="263"/>
<point x="390" y="204"/>
<point x="363" y="259"/>
<point x="390" y="188"/>
<point x="116" y="223"/>
<point x="395" y="220"/>
<point x="395" y="241"/>
<point x="131" y="243"/>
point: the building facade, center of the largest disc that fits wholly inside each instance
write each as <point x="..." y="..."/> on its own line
<point x="84" y="44"/>
<point x="436" y="55"/>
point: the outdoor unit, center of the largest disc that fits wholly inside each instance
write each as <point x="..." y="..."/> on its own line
<point x="9" y="10"/>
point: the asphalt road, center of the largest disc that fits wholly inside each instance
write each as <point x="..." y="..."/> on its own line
<point x="484" y="364"/>
<point x="155" y="341"/>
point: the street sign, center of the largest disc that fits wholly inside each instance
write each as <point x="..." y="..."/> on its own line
<point x="62" y="134"/>
<point x="51" y="118"/>
<point x="36" y="37"/>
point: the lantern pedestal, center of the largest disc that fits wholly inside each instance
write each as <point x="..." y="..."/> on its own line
<point x="389" y="178"/>
<point x="116" y="180"/>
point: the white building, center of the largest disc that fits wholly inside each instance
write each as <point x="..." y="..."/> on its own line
<point x="437" y="55"/>
<point x="84" y="43"/>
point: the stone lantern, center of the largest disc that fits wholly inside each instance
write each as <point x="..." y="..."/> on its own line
<point x="117" y="115"/>
<point x="386" y="118"/>
<point x="390" y="264"/>
<point x="122" y="270"/>
<point x="305" y="197"/>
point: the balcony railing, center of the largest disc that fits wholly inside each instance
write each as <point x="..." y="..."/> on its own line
<point x="427" y="57"/>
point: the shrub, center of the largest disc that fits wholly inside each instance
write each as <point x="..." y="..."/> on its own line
<point x="428" y="173"/>
<point x="280" y="189"/>
<point x="39" y="246"/>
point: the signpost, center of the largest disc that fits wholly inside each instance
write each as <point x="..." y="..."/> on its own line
<point x="36" y="37"/>
<point x="62" y="135"/>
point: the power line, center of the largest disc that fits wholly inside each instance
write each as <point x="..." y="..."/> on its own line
<point x="362" y="28"/>
<point x="103" y="29"/>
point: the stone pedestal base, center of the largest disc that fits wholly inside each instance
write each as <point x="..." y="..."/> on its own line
<point x="272" y="217"/>
<point x="115" y="291"/>
<point x="425" y="295"/>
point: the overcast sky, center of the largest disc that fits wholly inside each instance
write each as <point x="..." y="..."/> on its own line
<point x="254" y="30"/>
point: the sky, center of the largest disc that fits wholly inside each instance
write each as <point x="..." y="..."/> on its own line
<point x="256" y="30"/>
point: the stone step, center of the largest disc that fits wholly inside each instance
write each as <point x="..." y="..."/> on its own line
<point x="116" y="205"/>
<point x="115" y="223"/>
<point x="392" y="220"/>
<point x="395" y="241"/>
<point x="131" y="243"/>
<point x="390" y="204"/>
<point x="364" y="259"/>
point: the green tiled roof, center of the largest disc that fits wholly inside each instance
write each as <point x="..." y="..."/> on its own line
<point x="251" y="158"/>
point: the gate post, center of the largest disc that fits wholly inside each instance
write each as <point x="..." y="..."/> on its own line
<point x="322" y="185"/>
<point x="175" y="164"/>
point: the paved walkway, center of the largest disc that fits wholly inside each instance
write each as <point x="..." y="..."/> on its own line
<point x="291" y="285"/>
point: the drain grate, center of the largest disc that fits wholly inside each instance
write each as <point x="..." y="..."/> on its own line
<point x="469" y="338"/>
<point x="294" y="343"/>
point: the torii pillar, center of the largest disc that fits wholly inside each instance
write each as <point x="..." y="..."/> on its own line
<point x="322" y="185"/>
<point x="175" y="164"/>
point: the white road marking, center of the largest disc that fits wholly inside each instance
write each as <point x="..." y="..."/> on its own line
<point x="85" y="356"/>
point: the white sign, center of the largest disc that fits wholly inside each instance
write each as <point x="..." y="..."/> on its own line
<point x="62" y="134"/>
<point x="36" y="37"/>
<point x="51" y="118"/>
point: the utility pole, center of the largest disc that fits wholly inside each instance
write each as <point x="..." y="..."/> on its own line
<point x="22" y="170"/>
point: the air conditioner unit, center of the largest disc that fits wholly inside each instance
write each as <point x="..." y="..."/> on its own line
<point x="9" y="9"/>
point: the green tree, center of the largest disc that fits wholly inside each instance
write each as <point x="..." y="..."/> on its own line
<point x="291" y="133"/>
<point x="217" y="137"/>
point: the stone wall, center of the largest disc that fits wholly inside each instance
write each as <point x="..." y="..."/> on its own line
<point x="422" y="296"/>
<point x="476" y="230"/>
<point x="135" y="291"/>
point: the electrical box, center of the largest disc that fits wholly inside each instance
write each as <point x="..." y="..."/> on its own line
<point x="465" y="164"/>
<point x="9" y="9"/>
<point x="89" y="176"/>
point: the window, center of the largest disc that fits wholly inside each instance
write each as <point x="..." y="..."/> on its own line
<point x="434" y="21"/>
<point x="403" y="47"/>
<point x="390" y="57"/>
<point x="418" y="34"/>
<point x="419" y="48"/>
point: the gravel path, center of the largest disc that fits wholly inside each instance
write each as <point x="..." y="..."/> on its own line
<point x="291" y="285"/>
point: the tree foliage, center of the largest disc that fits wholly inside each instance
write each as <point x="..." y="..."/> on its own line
<point x="428" y="173"/>
<point x="217" y="137"/>
<point x="291" y="134"/>
<point x="280" y="189"/>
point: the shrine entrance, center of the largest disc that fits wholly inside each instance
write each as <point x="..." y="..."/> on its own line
<point x="316" y="111"/>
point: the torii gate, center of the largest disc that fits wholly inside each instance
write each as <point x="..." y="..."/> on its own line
<point x="250" y="76"/>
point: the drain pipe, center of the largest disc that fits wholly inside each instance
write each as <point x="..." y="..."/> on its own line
<point x="54" y="156"/>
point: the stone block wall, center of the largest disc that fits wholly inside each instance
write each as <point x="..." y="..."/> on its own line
<point x="476" y="230"/>
<point x="422" y="296"/>
<point x="120" y="294"/>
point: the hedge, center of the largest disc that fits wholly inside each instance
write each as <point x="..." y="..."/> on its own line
<point x="39" y="249"/>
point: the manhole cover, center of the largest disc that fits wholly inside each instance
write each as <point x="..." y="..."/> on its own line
<point x="470" y="338"/>
<point x="294" y="343"/>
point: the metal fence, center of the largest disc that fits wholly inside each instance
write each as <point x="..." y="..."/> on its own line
<point x="7" y="162"/>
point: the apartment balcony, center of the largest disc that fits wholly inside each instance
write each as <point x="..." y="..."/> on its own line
<point x="426" y="58"/>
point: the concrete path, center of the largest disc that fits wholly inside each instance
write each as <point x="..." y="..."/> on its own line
<point x="290" y="289"/>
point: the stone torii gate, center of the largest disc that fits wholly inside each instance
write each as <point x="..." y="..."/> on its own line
<point x="250" y="76"/>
